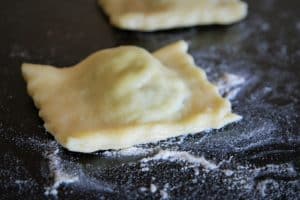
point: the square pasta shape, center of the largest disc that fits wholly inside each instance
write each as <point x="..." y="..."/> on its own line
<point x="153" y="15"/>
<point x="120" y="97"/>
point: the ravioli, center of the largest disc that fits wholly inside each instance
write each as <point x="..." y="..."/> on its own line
<point x="153" y="15"/>
<point x="120" y="97"/>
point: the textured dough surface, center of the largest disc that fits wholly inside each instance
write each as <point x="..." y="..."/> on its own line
<point x="125" y="96"/>
<point x="152" y="15"/>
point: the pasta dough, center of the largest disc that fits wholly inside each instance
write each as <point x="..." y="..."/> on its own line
<point x="125" y="96"/>
<point x="152" y="15"/>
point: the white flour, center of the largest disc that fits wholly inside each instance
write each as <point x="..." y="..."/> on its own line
<point x="21" y="183"/>
<point x="132" y="151"/>
<point x="164" y="193"/>
<point x="57" y="170"/>
<point x="60" y="176"/>
<point x="18" y="51"/>
<point x="153" y="188"/>
<point x="262" y="186"/>
<point x="240" y="178"/>
<point x="180" y="156"/>
<point x="228" y="172"/>
<point x="229" y="85"/>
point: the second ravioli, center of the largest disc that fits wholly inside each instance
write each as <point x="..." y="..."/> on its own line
<point x="154" y="15"/>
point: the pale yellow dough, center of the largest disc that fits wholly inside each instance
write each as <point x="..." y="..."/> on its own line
<point x="153" y="15"/>
<point x="124" y="96"/>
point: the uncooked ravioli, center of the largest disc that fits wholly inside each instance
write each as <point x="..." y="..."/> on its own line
<point x="153" y="15"/>
<point x="120" y="97"/>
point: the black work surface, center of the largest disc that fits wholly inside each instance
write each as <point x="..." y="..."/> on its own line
<point x="256" y="158"/>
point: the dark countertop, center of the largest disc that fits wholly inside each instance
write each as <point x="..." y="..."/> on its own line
<point x="256" y="158"/>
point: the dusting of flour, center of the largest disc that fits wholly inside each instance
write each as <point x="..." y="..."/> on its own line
<point x="181" y="156"/>
<point x="59" y="175"/>
<point x="131" y="151"/>
<point x="229" y="85"/>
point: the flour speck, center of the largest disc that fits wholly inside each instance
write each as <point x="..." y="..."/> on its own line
<point x="153" y="188"/>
